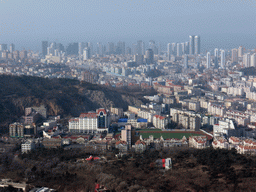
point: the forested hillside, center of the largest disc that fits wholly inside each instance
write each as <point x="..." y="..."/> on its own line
<point x="205" y="170"/>
<point x="64" y="97"/>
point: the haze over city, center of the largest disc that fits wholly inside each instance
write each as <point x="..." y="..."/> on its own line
<point x="138" y="95"/>
<point x="223" y="24"/>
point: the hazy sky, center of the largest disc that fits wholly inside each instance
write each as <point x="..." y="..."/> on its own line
<point x="223" y="23"/>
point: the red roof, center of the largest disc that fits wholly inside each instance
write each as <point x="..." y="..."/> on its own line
<point x="70" y="120"/>
<point x="121" y="142"/>
<point x="159" y="117"/>
<point x="101" y="110"/>
<point x="88" y="115"/>
<point x="140" y="142"/>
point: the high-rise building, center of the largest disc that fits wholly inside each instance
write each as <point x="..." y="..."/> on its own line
<point x="182" y="48"/>
<point x="128" y="134"/>
<point x="208" y="60"/>
<point x="216" y="57"/>
<point x="72" y="49"/>
<point x="191" y="44"/>
<point x="169" y="51"/>
<point x="16" y="130"/>
<point x="81" y="46"/>
<point x="149" y="56"/>
<point x="222" y="59"/>
<point x="140" y="48"/>
<point x="187" y="47"/>
<point x="240" y="51"/>
<point x="253" y="60"/>
<point x="139" y="59"/>
<point x="90" y="45"/>
<point x="174" y="49"/>
<point x="128" y="50"/>
<point x="50" y="50"/>
<point x="159" y="48"/>
<point x="100" y="49"/>
<point x="152" y="45"/>
<point x="60" y="47"/>
<point x="10" y="55"/>
<point x="110" y="48"/>
<point x="3" y="47"/>
<point x="23" y="54"/>
<point x="12" y="47"/>
<point x="197" y="45"/>
<point x="179" y="51"/>
<point x="120" y="48"/>
<point x="197" y="62"/>
<point x="216" y="52"/>
<point x="185" y="61"/>
<point x="16" y="55"/>
<point x="86" y="53"/>
<point x="234" y="56"/>
<point x="246" y="60"/>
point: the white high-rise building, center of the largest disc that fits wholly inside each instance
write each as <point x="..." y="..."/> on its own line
<point x="185" y="61"/>
<point x="179" y="51"/>
<point x="174" y="49"/>
<point x="183" y="48"/>
<point x="246" y="60"/>
<point x="81" y="47"/>
<point x="234" y="56"/>
<point x="216" y="52"/>
<point x="216" y="56"/>
<point x="187" y="47"/>
<point x="191" y="44"/>
<point x="253" y="60"/>
<point x="240" y="51"/>
<point x="208" y="60"/>
<point x="222" y="59"/>
<point x="12" y="47"/>
<point x="169" y="51"/>
<point x="197" y="45"/>
<point x="86" y="53"/>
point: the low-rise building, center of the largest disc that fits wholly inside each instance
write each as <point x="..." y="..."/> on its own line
<point x="160" y="122"/>
<point x="225" y="128"/>
<point x="140" y="146"/>
<point x="198" y="142"/>
<point x="122" y="146"/>
<point x="221" y="143"/>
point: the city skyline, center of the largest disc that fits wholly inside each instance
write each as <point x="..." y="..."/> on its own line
<point x="220" y="24"/>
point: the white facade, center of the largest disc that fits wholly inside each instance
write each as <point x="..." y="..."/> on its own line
<point x="246" y="60"/>
<point x="224" y="128"/>
<point x="253" y="60"/>
<point x="88" y="125"/>
<point x="160" y="122"/>
<point x="83" y="125"/>
<point x="222" y="59"/>
<point x="28" y="146"/>
<point x="198" y="142"/>
<point x="208" y="60"/>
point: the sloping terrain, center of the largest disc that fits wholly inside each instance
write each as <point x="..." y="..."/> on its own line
<point x="64" y="97"/>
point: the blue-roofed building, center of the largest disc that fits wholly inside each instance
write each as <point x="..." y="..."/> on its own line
<point x="142" y="120"/>
<point x="123" y="120"/>
<point x="136" y="123"/>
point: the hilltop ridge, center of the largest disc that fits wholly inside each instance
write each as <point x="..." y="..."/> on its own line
<point x="64" y="97"/>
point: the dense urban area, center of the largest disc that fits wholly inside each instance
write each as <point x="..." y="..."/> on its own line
<point x="95" y="117"/>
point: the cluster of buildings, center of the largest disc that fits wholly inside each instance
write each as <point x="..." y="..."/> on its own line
<point x="195" y="90"/>
<point x="242" y="145"/>
<point x="90" y="122"/>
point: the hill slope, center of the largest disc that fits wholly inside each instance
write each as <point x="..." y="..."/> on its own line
<point x="61" y="96"/>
